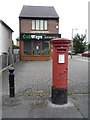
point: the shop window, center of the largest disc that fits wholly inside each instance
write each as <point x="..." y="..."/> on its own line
<point x="27" y="47"/>
<point x="36" y="47"/>
<point x="45" y="47"/>
<point x="39" y="25"/>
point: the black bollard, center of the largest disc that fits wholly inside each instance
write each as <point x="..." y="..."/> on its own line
<point x="11" y="82"/>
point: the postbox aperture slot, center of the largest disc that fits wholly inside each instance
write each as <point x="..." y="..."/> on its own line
<point x="61" y="49"/>
<point x="61" y="58"/>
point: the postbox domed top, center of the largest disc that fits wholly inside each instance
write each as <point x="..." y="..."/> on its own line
<point x="60" y="41"/>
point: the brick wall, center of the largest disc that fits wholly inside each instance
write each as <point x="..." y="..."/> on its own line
<point x="52" y="26"/>
<point x="26" y="25"/>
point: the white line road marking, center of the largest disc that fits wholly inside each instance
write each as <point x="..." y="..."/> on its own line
<point x="83" y="60"/>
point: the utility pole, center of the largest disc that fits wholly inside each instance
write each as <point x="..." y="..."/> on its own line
<point x="86" y="35"/>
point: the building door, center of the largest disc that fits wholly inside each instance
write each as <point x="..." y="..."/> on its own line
<point x="36" y="47"/>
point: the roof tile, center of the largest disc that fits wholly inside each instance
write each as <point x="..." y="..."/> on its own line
<point x="38" y="12"/>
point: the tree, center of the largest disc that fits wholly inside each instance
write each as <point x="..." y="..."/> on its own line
<point x="14" y="46"/>
<point x="79" y="43"/>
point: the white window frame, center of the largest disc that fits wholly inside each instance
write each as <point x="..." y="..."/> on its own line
<point x="39" y="25"/>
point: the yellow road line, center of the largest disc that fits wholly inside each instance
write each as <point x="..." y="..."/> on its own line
<point x="35" y="95"/>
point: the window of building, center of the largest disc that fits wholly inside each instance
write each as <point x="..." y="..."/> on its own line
<point x="27" y="47"/>
<point x="36" y="47"/>
<point x="45" y="24"/>
<point x="39" y="24"/>
<point x="45" y="47"/>
<point x="33" y="24"/>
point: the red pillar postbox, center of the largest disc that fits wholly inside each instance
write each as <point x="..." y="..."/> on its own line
<point x="59" y="70"/>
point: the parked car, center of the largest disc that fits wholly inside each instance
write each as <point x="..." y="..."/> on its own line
<point x="86" y="54"/>
<point x="73" y="52"/>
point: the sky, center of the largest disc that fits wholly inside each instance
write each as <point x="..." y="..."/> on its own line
<point x="73" y="14"/>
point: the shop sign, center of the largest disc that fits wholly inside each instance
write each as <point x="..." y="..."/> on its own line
<point x="39" y="36"/>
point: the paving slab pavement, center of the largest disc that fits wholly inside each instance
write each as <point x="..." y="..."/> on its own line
<point x="80" y="101"/>
<point x="39" y="107"/>
<point x="29" y="75"/>
<point x="33" y="92"/>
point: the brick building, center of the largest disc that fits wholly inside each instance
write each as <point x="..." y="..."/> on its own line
<point x="37" y="25"/>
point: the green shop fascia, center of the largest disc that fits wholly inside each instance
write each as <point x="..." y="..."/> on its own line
<point x="28" y="36"/>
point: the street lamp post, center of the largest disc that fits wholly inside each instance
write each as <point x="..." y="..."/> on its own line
<point x="72" y="41"/>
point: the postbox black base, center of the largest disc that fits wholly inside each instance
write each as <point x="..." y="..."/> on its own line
<point x="59" y="95"/>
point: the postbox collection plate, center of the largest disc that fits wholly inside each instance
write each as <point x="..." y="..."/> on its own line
<point x="61" y="58"/>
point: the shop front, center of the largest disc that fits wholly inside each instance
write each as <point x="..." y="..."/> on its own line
<point x="36" y="46"/>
